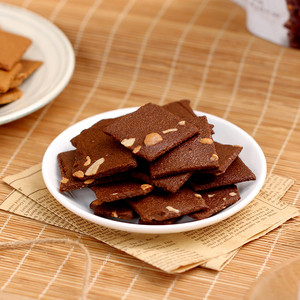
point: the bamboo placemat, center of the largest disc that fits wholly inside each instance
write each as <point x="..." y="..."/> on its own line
<point x="129" y="53"/>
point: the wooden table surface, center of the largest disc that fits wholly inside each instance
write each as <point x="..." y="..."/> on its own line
<point x="129" y="53"/>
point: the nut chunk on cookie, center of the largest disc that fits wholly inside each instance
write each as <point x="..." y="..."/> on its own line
<point x="71" y="183"/>
<point x="227" y="155"/>
<point x="151" y="131"/>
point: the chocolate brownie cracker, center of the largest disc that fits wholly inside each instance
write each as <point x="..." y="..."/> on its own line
<point x="151" y="131"/>
<point x="120" y="190"/>
<point x="197" y="153"/>
<point x="117" y="209"/>
<point x="217" y="200"/>
<point x="170" y="183"/>
<point x="97" y="126"/>
<point x="160" y="206"/>
<point x="181" y="109"/>
<point x="235" y="173"/>
<point x="227" y="154"/>
<point x="100" y="155"/>
<point x="165" y="222"/>
<point x="70" y="183"/>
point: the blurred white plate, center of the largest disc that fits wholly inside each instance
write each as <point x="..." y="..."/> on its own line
<point x="50" y="45"/>
<point x="78" y="201"/>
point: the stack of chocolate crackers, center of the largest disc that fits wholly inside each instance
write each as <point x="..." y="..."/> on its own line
<point x="156" y="164"/>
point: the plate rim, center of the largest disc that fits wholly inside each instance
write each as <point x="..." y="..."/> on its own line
<point x="142" y="228"/>
<point x="68" y="71"/>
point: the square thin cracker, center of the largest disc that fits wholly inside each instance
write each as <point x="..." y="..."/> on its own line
<point x="181" y="109"/>
<point x="197" y="153"/>
<point x="117" y="209"/>
<point x="151" y="131"/>
<point x="169" y="183"/>
<point x="6" y="77"/>
<point x="70" y="183"/>
<point x="235" y="173"/>
<point x="99" y="155"/>
<point x="28" y="68"/>
<point x="165" y="222"/>
<point x="12" y="48"/>
<point x="162" y="206"/>
<point x="114" y="191"/>
<point x="10" y="96"/>
<point x="227" y="154"/>
<point x="217" y="200"/>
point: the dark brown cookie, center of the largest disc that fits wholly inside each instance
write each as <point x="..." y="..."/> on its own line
<point x="181" y="109"/>
<point x="117" y="209"/>
<point x="120" y="190"/>
<point x="100" y="155"/>
<point x="165" y="222"/>
<point x="97" y="126"/>
<point x="170" y="183"/>
<point x="235" y="173"/>
<point x="151" y="131"/>
<point x="160" y="206"/>
<point x="70" y="183"/>
<point x="197" y="153"/>
<point x="217" y="200"/>
<point x="227" y="154"/>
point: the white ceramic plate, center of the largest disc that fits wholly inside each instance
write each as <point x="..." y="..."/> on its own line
<point x="78" y="201"/>
<point x="50" y="45"/>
